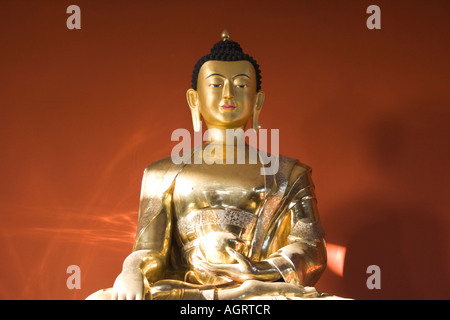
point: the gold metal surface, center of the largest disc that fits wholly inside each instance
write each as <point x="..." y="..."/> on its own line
<point x="225" y="35"/>
<point x="224" y="231"/>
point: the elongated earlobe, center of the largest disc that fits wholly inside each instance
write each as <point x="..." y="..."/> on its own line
<point x="257" y="110"/>
<point x="192" y="99"/>
<point x="196" y="122"/>
<point x="255" y="121"/>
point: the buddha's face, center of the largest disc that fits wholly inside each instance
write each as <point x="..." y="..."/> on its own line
<point x="226" y="93"/>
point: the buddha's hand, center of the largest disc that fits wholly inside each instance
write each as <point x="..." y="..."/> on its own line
<point x="129" y="285"/>
<point x="244" y="269"/>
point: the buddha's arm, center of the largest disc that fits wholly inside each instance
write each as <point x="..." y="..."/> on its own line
<point x="153" y="237"/>
<point x="149" y="258"/>
<point x="303" y="259"/>
<point x="152" y="246"/>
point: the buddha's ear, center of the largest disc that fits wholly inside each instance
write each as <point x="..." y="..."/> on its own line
<point x="192" y="99"/>
<point x="259" y="100"/>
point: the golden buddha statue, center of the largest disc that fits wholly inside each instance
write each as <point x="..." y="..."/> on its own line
<point x="217" y="229"/>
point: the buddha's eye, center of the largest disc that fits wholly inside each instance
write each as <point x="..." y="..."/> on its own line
<point x="241" y="86"/>
<point x="214" y="85"/>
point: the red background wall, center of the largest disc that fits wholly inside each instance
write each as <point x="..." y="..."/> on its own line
<point x="82" y="112"/>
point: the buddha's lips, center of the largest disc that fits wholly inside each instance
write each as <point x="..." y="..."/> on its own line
<point x="228" y="107"/>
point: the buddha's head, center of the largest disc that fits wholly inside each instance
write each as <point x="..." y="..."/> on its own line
<point x="226" y="88"/>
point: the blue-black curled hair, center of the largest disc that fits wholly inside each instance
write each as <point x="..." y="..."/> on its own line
<point x="226" y="50"/>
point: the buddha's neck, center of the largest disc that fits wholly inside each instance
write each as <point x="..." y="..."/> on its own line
<point x="221" y="141"/>
<point x="224" y="136"/>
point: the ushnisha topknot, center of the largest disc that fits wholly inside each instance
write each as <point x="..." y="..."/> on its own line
<point x="226" y="50"/>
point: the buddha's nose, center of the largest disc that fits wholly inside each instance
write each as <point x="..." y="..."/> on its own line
<point x="228" y="90"/>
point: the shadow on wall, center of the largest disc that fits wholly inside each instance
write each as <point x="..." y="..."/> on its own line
<point x="407" y="243"/>
<point x="402" y="223"/>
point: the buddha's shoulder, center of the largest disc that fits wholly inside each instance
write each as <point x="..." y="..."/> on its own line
<point x="298" y="168"/>
<point x="161" y="167"/>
